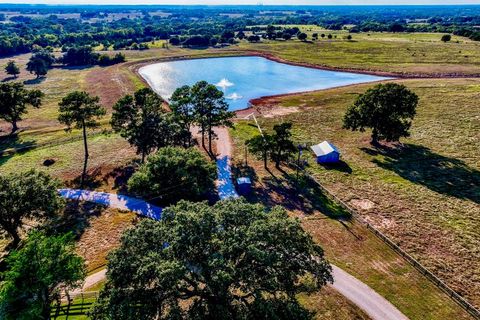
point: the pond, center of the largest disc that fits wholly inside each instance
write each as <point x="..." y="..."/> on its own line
<point x="245" y="78"/>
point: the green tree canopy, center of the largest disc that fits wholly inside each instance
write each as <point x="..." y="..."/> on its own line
<point x="282" y="145"/>
<point x="183" y="108"/>
<point x="37" y="274"/>
<point x="388" y="109"/>
<point x="14" y="99"/>
<point x="172" y="174"/>
<point x="80" y="110"/>
<point x="210" y="110"/>
<point x="12" y="69"/>
<point x="29" y="195"/>
<point x="302" y="36"/>
<point x="143" y="121"/>
<point x="40" y="62"/>
<point x="446" y="38"/>
<point x="260" y="146"/>
<point x="233" y="260"/>
<point x="277" y="146"/>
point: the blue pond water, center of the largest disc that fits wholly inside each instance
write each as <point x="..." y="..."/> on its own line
<point x="245" y="78"/>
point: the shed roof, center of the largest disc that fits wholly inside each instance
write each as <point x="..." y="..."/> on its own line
<point x="324" y="148"/>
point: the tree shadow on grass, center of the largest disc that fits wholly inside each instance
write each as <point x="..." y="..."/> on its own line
<point x="120" y="176"/>
<point x="295" y="195"/>
<point x="76" y="218"/>
<point x="34" y="81"/>
<point x="12" y="144"/>
<point x="93" y="180"/>
<point x="418" y="164"/>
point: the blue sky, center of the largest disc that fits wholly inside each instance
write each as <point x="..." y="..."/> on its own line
<point x="266" y="2"/>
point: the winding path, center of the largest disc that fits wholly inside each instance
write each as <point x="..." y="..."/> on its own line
<point x="376" y="306"/>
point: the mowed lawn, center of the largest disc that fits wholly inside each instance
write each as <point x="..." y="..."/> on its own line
<point x="409" y="54"/>
<point x="425" y="194"/>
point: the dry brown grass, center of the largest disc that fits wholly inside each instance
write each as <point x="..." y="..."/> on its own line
<point x="102" y="235"/>
<point x="425" y="195"/>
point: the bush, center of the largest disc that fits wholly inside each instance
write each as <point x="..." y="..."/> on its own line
<point x="106" y="60"/>
<point x="446" y="38"/>
<point x="173" y="174"/>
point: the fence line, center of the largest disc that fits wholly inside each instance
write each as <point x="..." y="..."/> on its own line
<point x="439" y="283"/>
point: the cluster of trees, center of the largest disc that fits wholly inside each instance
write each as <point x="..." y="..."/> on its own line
<point x="43" y="59"/>
<point x="44" y="265"/>
<point x="235" y="260"/>
<point x="214" y="25"/>
<point x="84" y="55"/>
<point x="472" y="33"/>
<point x="277" y="146"/>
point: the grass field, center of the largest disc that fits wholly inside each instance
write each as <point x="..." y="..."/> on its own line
<point x="347" y="244"/>
<point x="408" y="54"/>
<point x="426" y="194"/>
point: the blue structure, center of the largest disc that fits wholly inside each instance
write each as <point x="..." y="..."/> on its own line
<point x="326" y="152"/>
<point x="116" y="201"/>
<point x="225" y="186"/>
<point x="244" y="186"/>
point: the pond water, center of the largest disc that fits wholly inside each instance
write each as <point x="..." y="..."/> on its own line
<point x="245" y="78"/>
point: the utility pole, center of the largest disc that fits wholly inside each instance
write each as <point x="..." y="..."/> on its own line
<point x="246" y="154"/>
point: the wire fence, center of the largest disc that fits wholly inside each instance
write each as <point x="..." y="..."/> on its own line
<point x="439" y="283"/>
<point x="79" y="305"/>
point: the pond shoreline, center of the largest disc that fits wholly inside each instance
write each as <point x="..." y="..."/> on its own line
<point x="256" y="104"/>
<point x="136" y="66"/>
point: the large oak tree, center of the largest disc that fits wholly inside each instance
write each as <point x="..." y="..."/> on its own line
<point x="387" y="109"/>
<point x="14" y="99"/>
<point x="25" y="196"/>
<point x="233" y="260"/>
<point x="37" y="274"/>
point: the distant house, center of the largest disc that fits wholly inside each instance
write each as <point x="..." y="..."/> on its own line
<point x="326" y="152"/>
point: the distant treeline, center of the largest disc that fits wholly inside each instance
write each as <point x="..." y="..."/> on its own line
<point x="50" y="26"/>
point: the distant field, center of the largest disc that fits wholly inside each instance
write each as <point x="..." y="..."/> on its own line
<point x="410" y="54"/>
<point x="426" y="195"/>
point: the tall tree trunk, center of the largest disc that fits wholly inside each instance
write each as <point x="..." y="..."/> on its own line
<point x="203" y="137"/>
<point x="374" y="141"/>
<point x="14" y="126"/>
<point x="265" y="159"/>
<point x="143" y="156"/>
<point x="84" y="173"/>
<point x="210" y="141"/>
<point x="16" y="238"/>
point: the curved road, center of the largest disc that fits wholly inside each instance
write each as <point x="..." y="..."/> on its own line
<point x="373" y="304"/>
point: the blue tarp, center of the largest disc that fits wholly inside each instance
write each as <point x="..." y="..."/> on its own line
<point x="116" y="201"/>
<point x="225" y="186"/>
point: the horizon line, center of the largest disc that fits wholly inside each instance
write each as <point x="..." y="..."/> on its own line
<point x="243" y="5"/>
